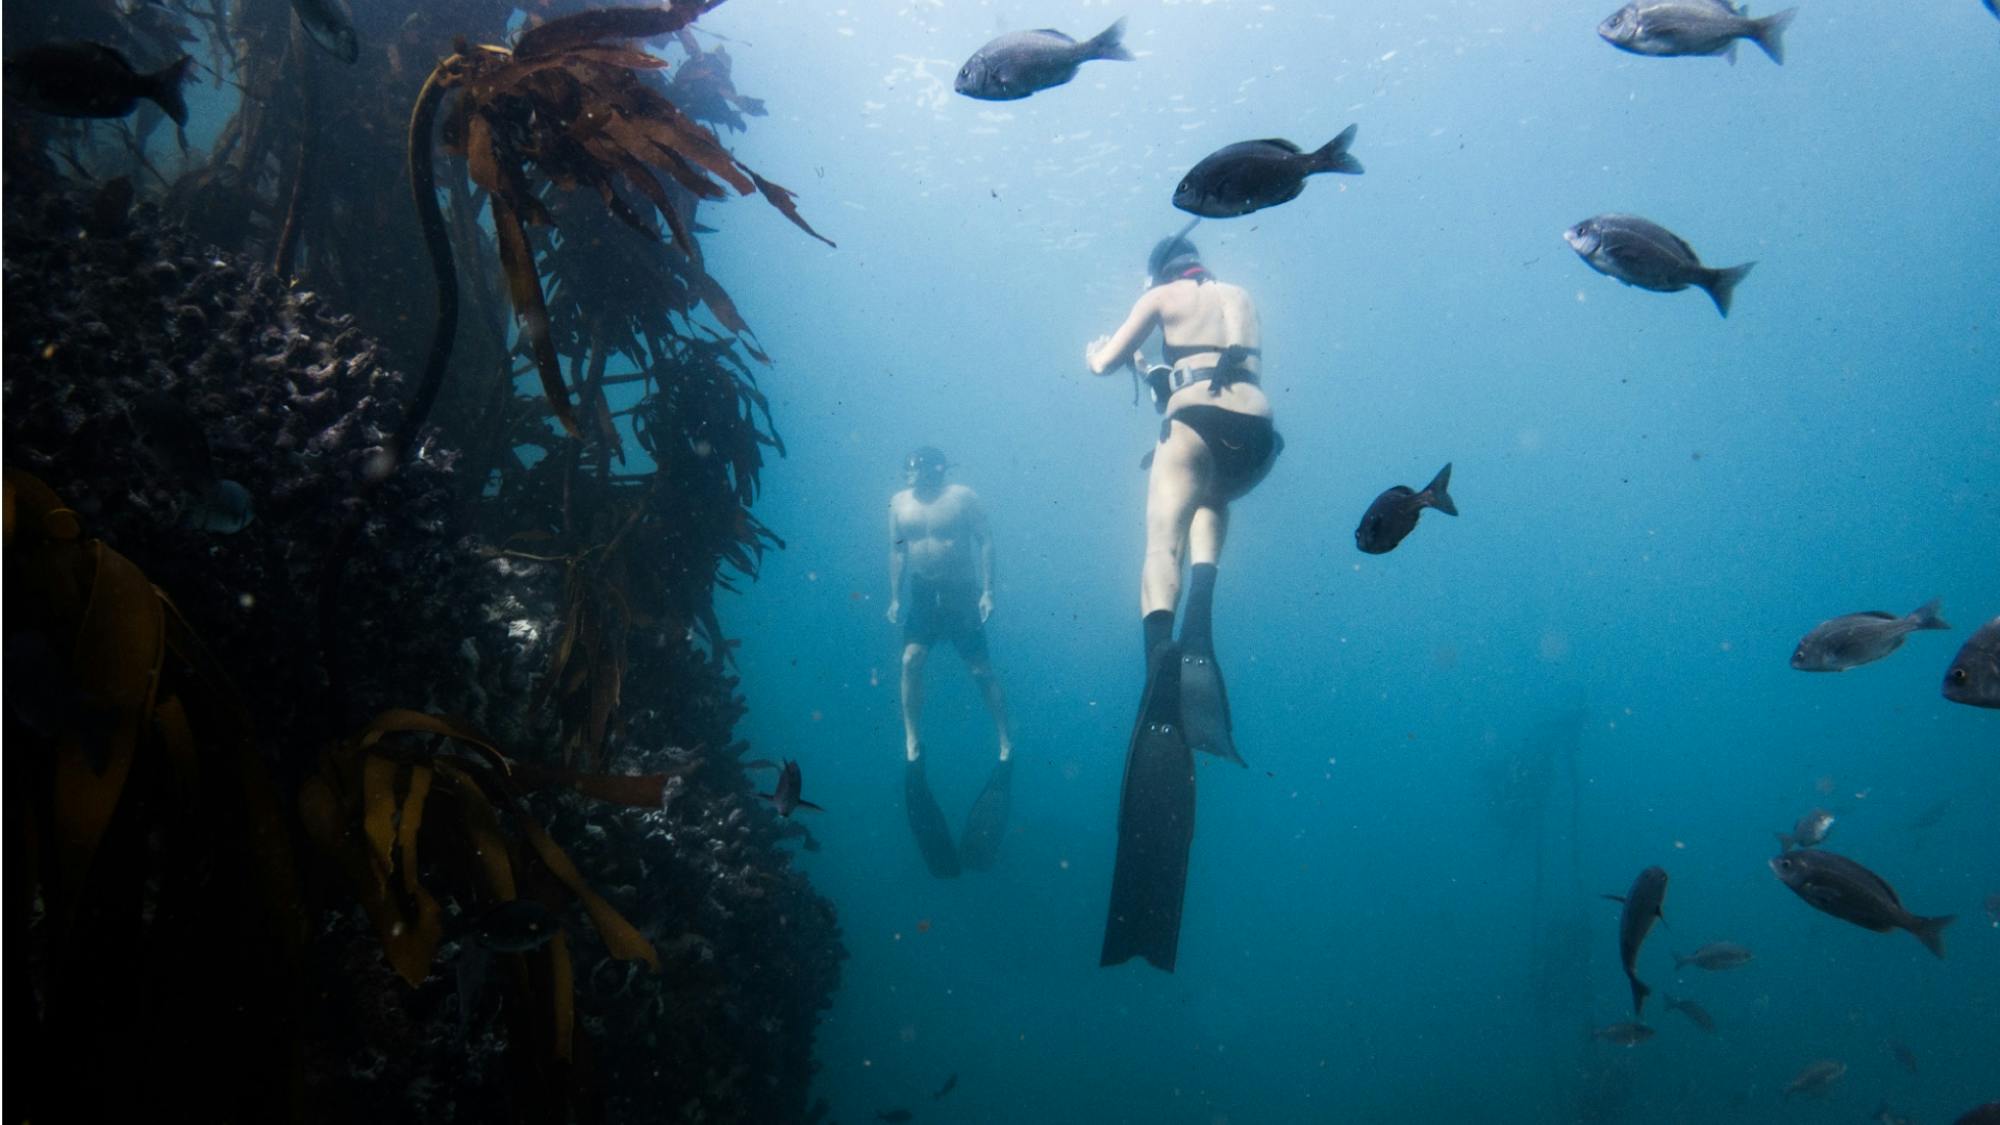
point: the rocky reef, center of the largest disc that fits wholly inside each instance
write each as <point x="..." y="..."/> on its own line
<point x="216" y="426"/>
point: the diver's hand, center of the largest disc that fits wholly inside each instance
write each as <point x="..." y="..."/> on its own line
<point x="985" y="606"/>
<point x="895" y="611"/>
<point x="1090" y="351"/>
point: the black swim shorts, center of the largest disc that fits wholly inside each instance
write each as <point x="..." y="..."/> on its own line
<point x="936" y="611"/>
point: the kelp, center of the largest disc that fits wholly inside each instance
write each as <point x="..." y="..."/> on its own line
<point x="154" y="840"/>
<point x="570" y="106"/>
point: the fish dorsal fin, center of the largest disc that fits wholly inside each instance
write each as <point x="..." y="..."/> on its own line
<point x="1614" y="898"/>
<point x="1880" y="614"/>
<point x="1279" y="142"/>
<point x="1052" y="31"/>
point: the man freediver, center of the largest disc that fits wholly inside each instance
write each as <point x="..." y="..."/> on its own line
<point x="939" y="539"/>
<point x="1216" y="443"/>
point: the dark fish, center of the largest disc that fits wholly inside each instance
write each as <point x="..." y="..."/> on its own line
<point x="1693" y="27"/>
<point x="1904" y="1055"/>
<point x="518" y="926"/>
<point x="1810" y="831"/>
<point x="1843" y="888"/>
<point x="1642" y="909"/>
<point x="1640" y="252"/>
<point x="1715" y="956"/>
<point x="1988" y="1114"/>
<point x="1853" y="639"/>
<point x="1695" y="1013"/>
<point x="950" y="1084"/>
<point x="786" y="797"/>
<point x="85" y="79"/>
<point x="1623" y="1034"/>
<point x="1974" y="676"/>
<point x="1816" y="1079"/>
<point x="1252" y="175"/>
<point x="894" y="1115"/>
<point x="330" y="26"/>
<point x="1934" y="815"/>
<point x="1393" y="515"/>
<point x="1023" y="62"/>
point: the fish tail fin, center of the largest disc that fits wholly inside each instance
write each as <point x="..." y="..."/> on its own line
<point x="1926" y="615"/>
<point x="164" y="87"/>
<point x="1769" y="33"/>
<point x="1108" y="44"/>
<point x="1334" y="157"/>
<point x="1721" y="284"/>
<point x="1930" y="931"/>
<point x="1440" y="499"/>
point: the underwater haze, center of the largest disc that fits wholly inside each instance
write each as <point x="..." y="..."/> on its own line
<point x="1454" y="749"/>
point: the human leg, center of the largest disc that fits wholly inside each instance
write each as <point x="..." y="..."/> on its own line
<point x="914" y="657"/>
<point x="1172" y="490"/>
<point x="981" y="668"/>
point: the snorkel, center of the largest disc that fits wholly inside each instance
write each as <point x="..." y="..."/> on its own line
<point x="1173" y="258"/>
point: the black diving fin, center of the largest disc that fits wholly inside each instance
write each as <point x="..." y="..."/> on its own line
<point x="986" y="824"/>
<point x="927" y="823"/>
<point x="1205" y="705"/>
<point x="1155" y="826"/>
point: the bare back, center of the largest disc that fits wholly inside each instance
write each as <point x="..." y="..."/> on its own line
<point x="1199" y="319"/>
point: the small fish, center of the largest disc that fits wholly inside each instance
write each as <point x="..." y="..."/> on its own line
<point x="1394" y="514"/>
<point x="224" y="508"/>
<point x="1843" y="888"/>
<point x="331" y="26"/>
<point x="1885" y="1116"/>
<point x="786" y="798"/>
<point x="84" y="79"/>
<point x="1816" y="1079"/>
<point x="1693" y="27"/>
<point x="1974" y="676"/>
<point x="894" y="1115"/>
<point x="1021" y="63"/>
<point x="518" y="926"/>
<point x="1933" y="816"/>
<point x="1904" y="1055"/>
<point x="1641" y="252"/>
<point x="1697" y="1014"/>
<point x="1715" y="956"/>
<point x="1642" y="909"/>
<point x="950" y="1084"/>
<point x="1854" y="639"/>
<point x="1988" y="1114"/>
<point x="1809" y="831"/>
<point x="1624" y="1034"/>
<point x="1252" y="175"/>
<point x="1993" y="909"/>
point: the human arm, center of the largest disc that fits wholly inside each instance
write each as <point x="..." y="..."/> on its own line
<point x="899" y="553"/>
<point x="982" y="534"/>
<point x="1108" y="353"/>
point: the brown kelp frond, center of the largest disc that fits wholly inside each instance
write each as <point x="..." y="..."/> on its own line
<point x="367" y="809"/>
<point x="573" y="106"/>
<point x="149" y="830"/>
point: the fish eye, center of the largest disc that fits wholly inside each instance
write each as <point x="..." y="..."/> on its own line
<point x="1957" y="675"/>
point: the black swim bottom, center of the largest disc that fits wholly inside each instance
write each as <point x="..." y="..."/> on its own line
<point x="1242" y="446"/>
<point x="944" y="611"/>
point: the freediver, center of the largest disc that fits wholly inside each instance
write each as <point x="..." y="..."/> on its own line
<point x="1216" y="443"/>
<point x="940" y="539"/>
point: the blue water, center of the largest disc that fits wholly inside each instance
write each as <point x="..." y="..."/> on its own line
<point x="1656" y="504"/>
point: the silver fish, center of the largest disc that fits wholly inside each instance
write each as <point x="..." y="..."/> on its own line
<point x="785" y="796"/>
<point x="1023" y="62"/>
<point x="1695" y="1013"/>
<point x="1810" y="831"/>
<point x="1642" y="908"/>
<point x="1816" y="1079"/>
<point x="1641" y="252"/>
<point x="1715" y="956"/>
<point x="331" y="26"/>
<point x="1854" y="639"/>
<point x="1974" y="676"/>
<point x="1692" y="27"/>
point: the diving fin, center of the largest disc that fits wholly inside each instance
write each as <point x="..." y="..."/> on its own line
<point x="927" y="823"/>
<point x="1155" y="826"/>
<point x="1205" y="706"/>
<point x="986" y="824"/>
